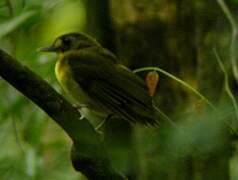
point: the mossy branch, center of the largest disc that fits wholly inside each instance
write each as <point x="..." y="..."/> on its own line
<point x="88" y="153"/>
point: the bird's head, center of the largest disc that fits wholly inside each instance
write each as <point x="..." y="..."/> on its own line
<point x="71" y="41"/>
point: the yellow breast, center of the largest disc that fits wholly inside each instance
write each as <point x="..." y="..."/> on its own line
<point x="66" y="80"/>
<point x="89" y="108"/>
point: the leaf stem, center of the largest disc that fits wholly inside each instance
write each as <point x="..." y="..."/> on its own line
<point x="178" y="80"/>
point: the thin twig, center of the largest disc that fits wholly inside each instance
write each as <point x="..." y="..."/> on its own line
<point x="234" y="34"/>
<point x="17" y="136"/>
<point x="226" y="82"/>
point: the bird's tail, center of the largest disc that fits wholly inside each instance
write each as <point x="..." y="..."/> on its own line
<point x="162" y="115"/>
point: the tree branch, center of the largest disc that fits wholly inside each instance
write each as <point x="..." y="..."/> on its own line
<point x="88" y="153"/>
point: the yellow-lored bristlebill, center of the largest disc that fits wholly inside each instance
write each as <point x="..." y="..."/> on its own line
<point x="98" y="82"/>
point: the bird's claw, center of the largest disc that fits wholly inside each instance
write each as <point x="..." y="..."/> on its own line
<point x="81" y="117"/>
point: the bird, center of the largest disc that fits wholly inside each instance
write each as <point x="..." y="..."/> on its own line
<point x="98" y="82"/>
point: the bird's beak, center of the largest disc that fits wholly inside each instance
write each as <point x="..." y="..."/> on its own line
<point x="47" y="49"/>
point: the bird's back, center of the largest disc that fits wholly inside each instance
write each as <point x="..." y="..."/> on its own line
<point x="108" y="84"/>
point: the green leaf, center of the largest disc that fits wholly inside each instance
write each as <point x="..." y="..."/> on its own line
<point x="13" y="23"/>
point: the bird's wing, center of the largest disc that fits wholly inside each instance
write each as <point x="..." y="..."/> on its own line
<point x="114" y="86"/>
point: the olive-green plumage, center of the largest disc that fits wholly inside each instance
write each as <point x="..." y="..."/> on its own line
<point x="98" y="82"/>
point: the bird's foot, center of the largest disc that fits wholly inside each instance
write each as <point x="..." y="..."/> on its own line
<point x="81" y="117"/>
<point x="97" y="128"/>
<point x="78" y="107"/>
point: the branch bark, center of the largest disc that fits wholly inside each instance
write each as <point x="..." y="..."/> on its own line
<point x="88" y="153"/>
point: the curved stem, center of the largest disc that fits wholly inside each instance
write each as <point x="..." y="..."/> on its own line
<point x="226" y="82"/>
<point x="186" y="85"/>
<point x="234" y="35"/>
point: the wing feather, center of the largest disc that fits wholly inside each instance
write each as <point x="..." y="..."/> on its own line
<point x="113" y="86"/>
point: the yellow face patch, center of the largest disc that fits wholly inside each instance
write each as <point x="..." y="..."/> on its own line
<point x="58" y="43"/>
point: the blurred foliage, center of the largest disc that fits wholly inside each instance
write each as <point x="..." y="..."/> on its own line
<point x="34" y="147"/>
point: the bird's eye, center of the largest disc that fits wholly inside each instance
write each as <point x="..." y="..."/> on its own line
<point x="67" y="41"/>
